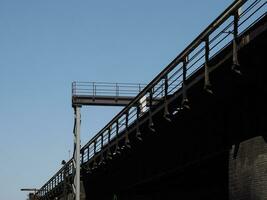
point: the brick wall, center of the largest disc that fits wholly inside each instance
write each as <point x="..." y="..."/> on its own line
<point x="248" y="170"/>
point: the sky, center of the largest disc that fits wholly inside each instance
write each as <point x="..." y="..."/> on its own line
<point x="45" y="45"/>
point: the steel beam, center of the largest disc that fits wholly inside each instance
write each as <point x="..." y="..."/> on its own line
<point x="78" y="100"/>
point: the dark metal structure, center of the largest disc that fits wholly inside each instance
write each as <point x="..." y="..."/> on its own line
<point x="168" y="93"/>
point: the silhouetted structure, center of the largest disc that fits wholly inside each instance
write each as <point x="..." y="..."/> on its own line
<point x="200" y="134"/>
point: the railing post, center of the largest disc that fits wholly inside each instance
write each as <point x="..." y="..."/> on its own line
<point x="72" y="88"/>
<point x="88" y="153"/>
<point x="207" y="84"/>
<point x="102" y="153"/>
<point x="102" y="140"/>
<point x="151" y="124"/>
<point x="93" y="89"/>
<point x="117" y="150"/>
<point x="166" y="110"/>
<point x="127" y="119"/>
<point x="127" y="141"/>
<point x="109" y="134"/>
<point x="109" y="154"/>
<point x="117" y="90"/>
<point x="94" y="148"/>
<point x="185" y="99"/>
<point x="236" y="65"/>
<point x="166" y="86"/>
<point x="94" y="164"/>
<point x="117" y="128"/>
<point x="138" y="133"/>
<point x="82" y="155"/>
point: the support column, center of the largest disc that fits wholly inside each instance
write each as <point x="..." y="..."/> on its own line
<point x="77" y="149"/>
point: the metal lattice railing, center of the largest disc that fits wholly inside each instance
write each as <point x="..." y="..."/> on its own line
<point x="223" y="31"/>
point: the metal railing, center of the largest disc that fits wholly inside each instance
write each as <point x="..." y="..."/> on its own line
<point x="216" y="37"/>
<point x="106" y="89"/>
<point x="58" y="179"/>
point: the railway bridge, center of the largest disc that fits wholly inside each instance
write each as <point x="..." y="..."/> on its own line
<point x="198" y="130"/>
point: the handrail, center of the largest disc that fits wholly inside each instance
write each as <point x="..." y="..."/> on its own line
<point x="233" y="7"/>
<point x="95" y="89"/>
<point x="173" y="78"/>
<point x="67" y="165"/>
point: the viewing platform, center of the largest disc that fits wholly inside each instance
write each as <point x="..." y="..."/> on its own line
<point x="104" y="93"/>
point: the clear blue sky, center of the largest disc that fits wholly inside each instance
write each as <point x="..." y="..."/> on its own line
<point x="47" y="44"/>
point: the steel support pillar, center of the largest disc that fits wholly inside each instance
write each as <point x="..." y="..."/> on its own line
<point x="77" y="149"/>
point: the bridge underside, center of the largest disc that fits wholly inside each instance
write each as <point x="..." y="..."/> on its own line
<point x="205" y="152"/>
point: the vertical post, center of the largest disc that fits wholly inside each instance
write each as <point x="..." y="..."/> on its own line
<point x="72" y="88"/>
<point x="117" y="128"/>
<point x="117" y="90"/>
<point x="82" y="156"/>
<point x="109" y="154"/>
<point x="138" y="134"/>
<point x="109" y="134"/>
<point x="166" y="111"/>
<point x="117" y="150"/>
<point x="166" y="86"/>
<point x="127" y="120"/>
<point x="151" y="124"/>
<point x="94" y="164"/>
<point x="88" y="153"/>
<point x="185" y="101"/>
<point x="127" y="141"/>
<point x="184" y="78"/>
<point x="102" y="140"/>
<point x="102" y="153"/>
<point x="93" y="89"/>
<point x="207" y="84"/>
<point x="77" y="110"/>
<point x="236" y="65"/>
<point x="94" y="147"/>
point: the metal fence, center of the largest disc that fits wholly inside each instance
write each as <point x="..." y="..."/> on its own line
<point x="106" y="89"/>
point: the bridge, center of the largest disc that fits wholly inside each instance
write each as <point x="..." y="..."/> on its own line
<point x="197" y="130"/>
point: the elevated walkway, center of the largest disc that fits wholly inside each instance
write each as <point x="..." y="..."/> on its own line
<point x="104" y="94"/>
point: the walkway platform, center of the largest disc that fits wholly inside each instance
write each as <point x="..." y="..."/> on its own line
<point x="104" y="94"/>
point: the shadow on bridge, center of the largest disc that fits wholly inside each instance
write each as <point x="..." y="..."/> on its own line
<point x="203" y="137"/>
<point x="210" y="151"/>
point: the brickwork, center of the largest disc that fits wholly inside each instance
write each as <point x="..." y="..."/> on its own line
<point x="248" y="170"/>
